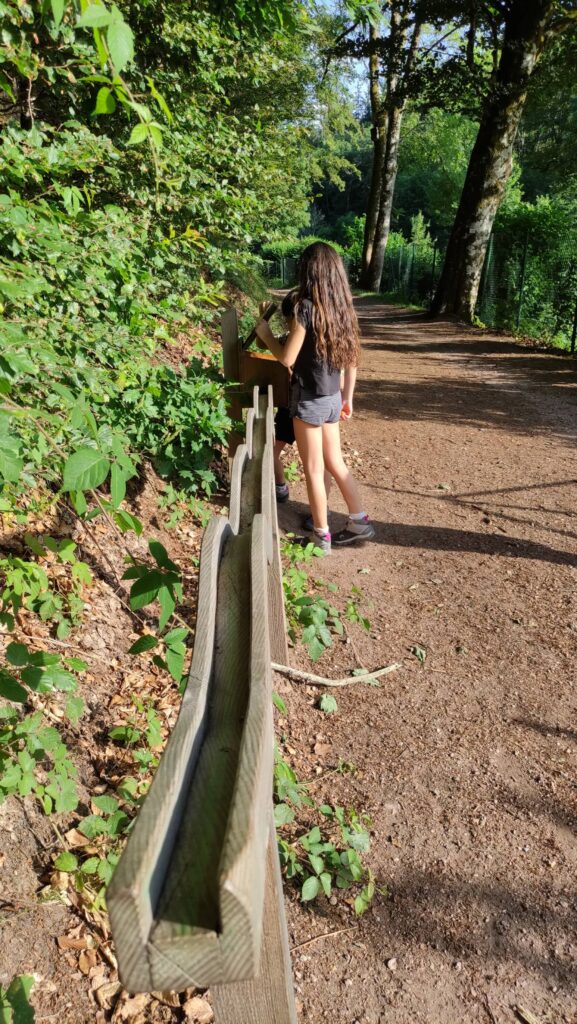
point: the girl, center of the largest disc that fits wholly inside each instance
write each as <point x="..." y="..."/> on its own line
<point x="323" y="339"/>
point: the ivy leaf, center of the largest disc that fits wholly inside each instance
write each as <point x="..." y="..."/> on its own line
<point x="16" y="999"/>
<point x="105" y="803"/>
<point x="17" y="654"/>
<point x="167" y="605"/>
<point x="74" y="709"/>
<point x="85" y="470"/>
<point x="279" y="703"/>
<point x="117" y="484"/>
<point x="145" y="590"/>
<point x="175" y="660"/>
<point x="316" y="649"/>
<point x="138" y="134"/>
<point x="120" y="44"/>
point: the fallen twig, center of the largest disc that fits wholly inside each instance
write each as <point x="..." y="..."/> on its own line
<point x="309" y="677"/>
<point x="526" y="1016"/>
<point x="324" y="935"/>
<point x="487" y="1006"/>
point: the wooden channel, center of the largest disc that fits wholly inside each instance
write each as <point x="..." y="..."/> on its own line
<point x="186" y="900"/>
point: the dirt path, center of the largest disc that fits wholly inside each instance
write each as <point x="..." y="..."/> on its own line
<point x="467" y="763"/>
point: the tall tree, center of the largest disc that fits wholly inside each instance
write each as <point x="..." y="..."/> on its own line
<point x="402" y="47"/>
<point x="527" y="27"/>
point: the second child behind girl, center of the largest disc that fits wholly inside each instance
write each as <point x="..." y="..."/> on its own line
<point x="322" y="341"/>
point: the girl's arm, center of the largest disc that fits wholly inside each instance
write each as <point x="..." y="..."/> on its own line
<point x="347" y="392"/>
<point x="287" y="353"/>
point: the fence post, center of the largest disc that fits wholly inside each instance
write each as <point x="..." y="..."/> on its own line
<point x="522" y="281"/>
<point x="574" y="334"/>
<point x="411" y="273"/>
<point x="270" y="996"/>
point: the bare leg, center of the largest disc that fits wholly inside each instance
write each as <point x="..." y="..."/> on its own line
<point x="335" y="465"/>
<point x="279" y="477"/>
<point x="310" y="445"/>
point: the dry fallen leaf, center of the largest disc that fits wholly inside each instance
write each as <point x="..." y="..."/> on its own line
<point x="87" y="960"/>
<point x="322" y="748"/>
<point x="106" y="994"/>
<point x="68" y="942"/>
<point x="198" y="1011"/>
<point x="133" y="1005"/>
<point x="167" y="998"/>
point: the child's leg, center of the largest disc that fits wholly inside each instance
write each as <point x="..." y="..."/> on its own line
<point x="310" y="445"/>
<point x="279" y="477"/>
<point x="335" y="465"/>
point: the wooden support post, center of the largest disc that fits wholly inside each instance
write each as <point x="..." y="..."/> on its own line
<point x="276" y="612"/>
<point x="269" y="998"/>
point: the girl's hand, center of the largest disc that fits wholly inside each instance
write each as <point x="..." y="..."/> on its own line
<point x="347" y="409"/>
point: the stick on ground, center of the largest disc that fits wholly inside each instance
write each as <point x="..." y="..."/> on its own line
<point x="309" y="677"/>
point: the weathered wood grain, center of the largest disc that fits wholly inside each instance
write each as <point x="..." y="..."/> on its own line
<point x="189" y="905"/>
<point x="134" y="891"/>
<point x="235" y="504"/>
<point x="187" y="899"/>
<point x="277" y="617"/>
<point x="269" y="997"/>
<point x="262" y="368"/>
<point x="243" y="862"/>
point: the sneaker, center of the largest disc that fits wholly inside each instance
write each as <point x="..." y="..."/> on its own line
<point x="323" y="542"/>
<point x="354" y="531"/>
<point x="308" y="524"/>
<point x="282" y="492"/>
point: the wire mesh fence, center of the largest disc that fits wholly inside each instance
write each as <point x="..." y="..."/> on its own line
<point x="526" y="287"/>
<point x="283" y="272"/>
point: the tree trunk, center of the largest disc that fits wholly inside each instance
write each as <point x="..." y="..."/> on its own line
<point x="492" y="158"/>
<point x="383" y="225"/>
<point x="379" y="137"/>
<point x="401" y="63"/>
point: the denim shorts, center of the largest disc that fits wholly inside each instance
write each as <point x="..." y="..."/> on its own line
<point x="314" y="411"/>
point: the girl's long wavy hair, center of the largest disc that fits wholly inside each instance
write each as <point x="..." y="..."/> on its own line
<point x="323" y="280"/>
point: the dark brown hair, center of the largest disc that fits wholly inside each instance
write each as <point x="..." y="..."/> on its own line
<point x="323" y="280"/>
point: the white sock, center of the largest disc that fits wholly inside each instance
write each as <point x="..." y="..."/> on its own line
<point x="357" y="517"/>
<point x="321" y="531"/>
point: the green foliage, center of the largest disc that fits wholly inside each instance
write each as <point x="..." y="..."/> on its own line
<point x="328" y="704"/>
<point x="328" y="856"/>
<point x="35" y="762"/>
<point x="311" y="617"/>
<point x="15" y="1007"/>
<point x="141" y="734"/>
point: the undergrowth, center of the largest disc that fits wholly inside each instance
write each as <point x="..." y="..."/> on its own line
<point x="326" y="853"/>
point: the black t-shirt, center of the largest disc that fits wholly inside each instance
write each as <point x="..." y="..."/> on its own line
<point x="313" y="374"/>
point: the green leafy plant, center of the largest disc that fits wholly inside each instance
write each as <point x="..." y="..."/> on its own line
<point x="311" y="617"/>
<point x="141" y="734"/>
<point x="330" y="854"/>
<point x="15" y="1006"/>
<point x="35" y="762"/>
<point x="323" y="859"/>
<point x="328" y="704"/>
<point x="162" y="583"/>
<point x="292" y="471"/>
